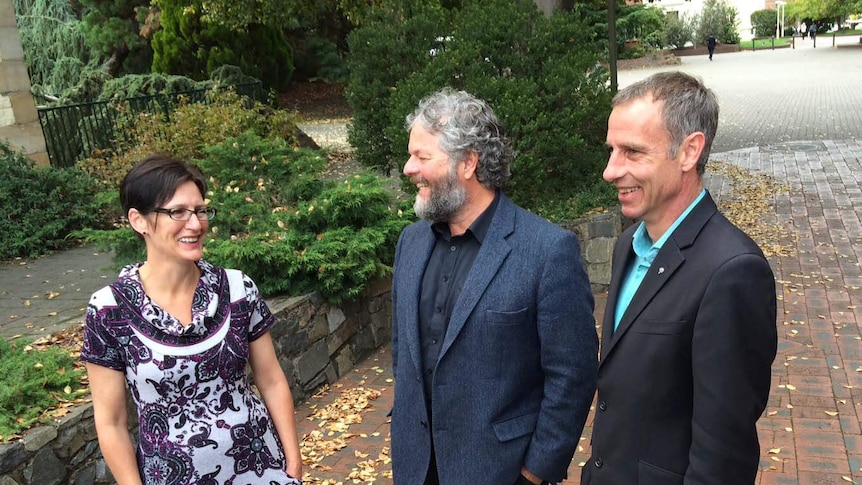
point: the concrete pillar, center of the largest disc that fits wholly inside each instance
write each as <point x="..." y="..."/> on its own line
<point x="19" y="122"/>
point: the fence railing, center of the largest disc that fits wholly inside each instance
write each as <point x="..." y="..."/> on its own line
<point x="72" y="132"/>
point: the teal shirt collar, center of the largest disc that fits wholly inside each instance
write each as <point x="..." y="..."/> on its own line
<point x="643" y="246"/>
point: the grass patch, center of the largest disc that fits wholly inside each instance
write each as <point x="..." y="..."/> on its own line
<point x="34" y="382"/>
<point x="765" y="43"/>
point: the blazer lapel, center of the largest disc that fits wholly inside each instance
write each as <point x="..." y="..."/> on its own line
<point x="414" y="259"/>
<point x="622" y="259"/>
<point x="492" y="253"/>
<point x="669" y="259"/>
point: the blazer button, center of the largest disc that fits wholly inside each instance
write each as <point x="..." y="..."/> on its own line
<point x="598" y="463"/>
<point x="603" y="406"/>
<point x="424" y="424"/>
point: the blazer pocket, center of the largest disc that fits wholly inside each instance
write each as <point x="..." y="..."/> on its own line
<point x="652" y="475"/>
<point x="516" y="317"/>
<point x="656" y="327"/>
<point x="516" y="427"/>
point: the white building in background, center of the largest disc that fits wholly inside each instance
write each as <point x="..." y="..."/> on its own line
<point x="688" y="8"/>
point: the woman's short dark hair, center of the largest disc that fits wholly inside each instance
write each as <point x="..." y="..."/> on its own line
<point x="154" y="180"/>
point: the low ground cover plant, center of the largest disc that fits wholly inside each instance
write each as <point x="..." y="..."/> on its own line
<point x="32" y="381"/>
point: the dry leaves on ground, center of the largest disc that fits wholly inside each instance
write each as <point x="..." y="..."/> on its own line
<point x="333" y="434"/>
<point x="750" y="208"/>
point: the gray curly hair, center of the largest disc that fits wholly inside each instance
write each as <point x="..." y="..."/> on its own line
<point x="466" y="124"/>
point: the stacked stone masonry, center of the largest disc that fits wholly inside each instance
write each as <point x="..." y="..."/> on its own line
<point x="316" y="343"/>
<point x="19" y="122"/>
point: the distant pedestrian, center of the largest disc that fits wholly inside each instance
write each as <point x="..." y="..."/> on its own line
<point x="812" y="31"/>
<point x="710" y="45"/>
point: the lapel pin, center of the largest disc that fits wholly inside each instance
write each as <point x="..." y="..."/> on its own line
<point x="660" y="270"/>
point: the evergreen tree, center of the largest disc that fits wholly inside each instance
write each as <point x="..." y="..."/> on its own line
<point x="112" y="30"/>
<point x="55" y="50"/>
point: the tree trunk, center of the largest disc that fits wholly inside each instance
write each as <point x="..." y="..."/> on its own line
<point x="114" y="63"/>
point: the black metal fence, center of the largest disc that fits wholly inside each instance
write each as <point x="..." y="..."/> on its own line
<point x="73" y="132"/>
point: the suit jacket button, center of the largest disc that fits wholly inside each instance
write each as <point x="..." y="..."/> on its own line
<point x="424" y="424"/>
<point x="598" y="463"/>
<point x="603" y="406"/>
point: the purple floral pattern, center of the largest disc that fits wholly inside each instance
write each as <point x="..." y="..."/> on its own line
<point x="199" y="420"/>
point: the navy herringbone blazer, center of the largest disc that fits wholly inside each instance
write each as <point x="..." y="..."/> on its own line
<point x="516" y="371"/>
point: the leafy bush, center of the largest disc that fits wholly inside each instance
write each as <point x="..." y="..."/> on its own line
<point x="718" y="18"/>
<point x="32" y="381"/>
<point x="40" y="207"/>
<point x="285" y="225"/>
<point x="678" y="31"/>
<point x="641" y="22"/>
<point x="188" y="130"/>
<point x="540" y="75"/>
<point x="763" y="22"/>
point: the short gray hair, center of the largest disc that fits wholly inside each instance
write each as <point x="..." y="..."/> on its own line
<point x="689" y="107"/>
<point x="467" y="124"/>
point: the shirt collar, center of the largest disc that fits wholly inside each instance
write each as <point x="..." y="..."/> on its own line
<point x="645" y="248"/>
<point x="479" y="227"/>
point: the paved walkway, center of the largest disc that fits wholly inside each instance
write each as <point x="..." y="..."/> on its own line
<point x="795" y="115"/>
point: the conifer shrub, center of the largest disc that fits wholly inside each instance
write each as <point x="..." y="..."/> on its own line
<point x="41" y="206"/>
<point x="540" y="75"/>
<point x="189" y="44"/>
<point x="281" y="222"/>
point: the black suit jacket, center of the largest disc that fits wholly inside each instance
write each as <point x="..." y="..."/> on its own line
<point x="686" y="376"/>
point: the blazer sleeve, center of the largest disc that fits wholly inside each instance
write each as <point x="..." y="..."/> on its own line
<point x="733" y="346"/>
<point x="569" y="359"/>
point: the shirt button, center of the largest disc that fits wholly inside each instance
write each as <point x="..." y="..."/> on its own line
<point x="453" y="248"/>
<point x="603" y="406"/>
<point x="445" y="279"/>
<point x="433" y="340"/>
<point x="598" y="463"/>
<point x="439" y="309"/>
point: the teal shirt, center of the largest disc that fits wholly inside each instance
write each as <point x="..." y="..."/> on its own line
<point x="645" y="253"/>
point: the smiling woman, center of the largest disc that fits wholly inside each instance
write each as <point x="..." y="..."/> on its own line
<point x="179" y="332"/>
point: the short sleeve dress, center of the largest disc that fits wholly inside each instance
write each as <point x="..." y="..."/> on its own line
<point x="199" y="421"/>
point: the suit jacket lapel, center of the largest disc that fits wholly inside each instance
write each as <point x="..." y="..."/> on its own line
<point x="492" y="253"/>
<point x="414" y="259"/>
<point x="669" y="259"/>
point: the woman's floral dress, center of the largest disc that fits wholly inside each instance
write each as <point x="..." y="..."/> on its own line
<point x="199" y="421"/>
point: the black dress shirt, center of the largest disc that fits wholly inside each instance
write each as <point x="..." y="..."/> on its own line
<point x="445" y="275"/>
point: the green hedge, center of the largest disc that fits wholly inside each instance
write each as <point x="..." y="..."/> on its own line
<point x="541" y="76"/>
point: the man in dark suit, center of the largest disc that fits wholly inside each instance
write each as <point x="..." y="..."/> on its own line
<point x="494" y="346"/>
<point x="689" y="333"/>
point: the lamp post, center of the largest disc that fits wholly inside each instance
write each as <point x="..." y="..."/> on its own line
<point x="612" y="44"/>
<point x="780" y="8"/>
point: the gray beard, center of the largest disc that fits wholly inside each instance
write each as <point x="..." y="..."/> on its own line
<point x="446" y="199"/>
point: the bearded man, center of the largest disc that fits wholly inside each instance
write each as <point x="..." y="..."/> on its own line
<point x="494" y="346"/>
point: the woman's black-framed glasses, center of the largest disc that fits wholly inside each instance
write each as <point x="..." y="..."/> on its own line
<point x="184" y="215"/>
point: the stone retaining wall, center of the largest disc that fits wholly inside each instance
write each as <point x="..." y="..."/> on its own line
<point x="316" y="343"/>
<point x="598" y="235"/>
